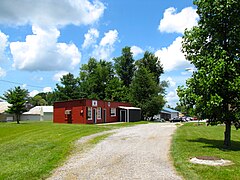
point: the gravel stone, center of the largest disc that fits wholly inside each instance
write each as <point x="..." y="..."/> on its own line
<point x="138" y="152"/>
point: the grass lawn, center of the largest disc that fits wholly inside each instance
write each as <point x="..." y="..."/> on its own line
<point x="191" y="140"/>
<point x="30" y="150"/>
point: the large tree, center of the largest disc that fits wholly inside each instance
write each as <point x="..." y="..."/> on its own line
<point x="124" y="66"/>
<point x="213" y="48"/>
<point x="94" y="77"/>
<point x="17" y="97"/>
<point x="146" y="93"/>
<point x="152" y="64"/>
<point x="68" y="89"/>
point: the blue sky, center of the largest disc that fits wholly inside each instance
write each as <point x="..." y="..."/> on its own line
<point x="42" y="40"/>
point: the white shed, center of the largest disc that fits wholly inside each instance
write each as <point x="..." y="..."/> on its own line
<point x="3" y="115"/>
<point x="38" y="113"/>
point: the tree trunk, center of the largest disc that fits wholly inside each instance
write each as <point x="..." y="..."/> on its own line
<point x="227" y="134"/>
<point x="18" y="117"/>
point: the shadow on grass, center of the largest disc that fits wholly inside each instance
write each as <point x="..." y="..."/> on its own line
<point x="212" y="143"/>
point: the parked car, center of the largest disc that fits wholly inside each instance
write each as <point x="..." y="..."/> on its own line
<point x="176" y="119"/>
<point x="194" y="118"/>
<point x="159" y="120"/>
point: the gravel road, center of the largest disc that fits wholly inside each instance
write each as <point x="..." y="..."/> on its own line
<point x="139" y="152"/>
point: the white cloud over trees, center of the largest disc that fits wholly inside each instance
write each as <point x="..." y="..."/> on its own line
<point x="136" y="51"/>
<point x="59" y="75"/>
<point x="172" y="57"/>
<point x="173" y="22"/>
<point x="90" y="38"/>
<point x="106" y="46"/>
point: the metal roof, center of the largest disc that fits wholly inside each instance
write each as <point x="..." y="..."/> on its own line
<point x="40" y="110"/>
<point x="125" y="107"/>
<point x="4" y="106"/>
<point x="170" y="110"/>
<point x="165" y="112"/>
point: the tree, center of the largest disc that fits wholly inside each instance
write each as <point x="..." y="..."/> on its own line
<point x="213" y="48"/>
<point x="37" y="101"/>
<point x="124" y="66"/>
<point x="116" y="91"/>
<point x="152" y="64"/>
<point x="145" y="93"/>
<point x="94" y="78"/>
<point x="17" y="97"/>
<point x="49" y="97"/>
<point x="69" y="88"/>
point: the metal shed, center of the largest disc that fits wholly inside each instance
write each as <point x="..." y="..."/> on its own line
<point x="129" y="114"/>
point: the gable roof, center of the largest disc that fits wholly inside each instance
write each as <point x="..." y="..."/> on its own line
<point x="40" y="110"/>
<point x="4" y="106"/>
<point x="170" y="110"/>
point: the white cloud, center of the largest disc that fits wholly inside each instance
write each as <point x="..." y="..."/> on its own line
<point x="33" y="93"/>
<point x="189" y="71"/>
<point x="41" y="51"/>
<point x="172" y="98"/>
<point x="90" y="38"/>
<point x="172" y="83"/>
<point x="109" y="38"/>
<point x="3" y="44"/>
<point x="2" y="72"/>
<point x="171" y="57"/>
<point x="47" y="12"/>
<point x="58" y="75"/>
<point x="47" y="89"/>
<point x="178" y="22"/>
<point x="24" y="86"/>
<point x="136" y="50"/>
<point x="106" y="46"/>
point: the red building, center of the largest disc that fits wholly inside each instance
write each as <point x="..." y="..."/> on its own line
<point x="86" y="111"/>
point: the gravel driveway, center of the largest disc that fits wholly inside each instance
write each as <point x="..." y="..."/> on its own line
<point x="139" y="152"/>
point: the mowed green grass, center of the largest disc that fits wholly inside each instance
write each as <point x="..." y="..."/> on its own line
<point x="31" y="150"/>
<point x="191" y="140"/>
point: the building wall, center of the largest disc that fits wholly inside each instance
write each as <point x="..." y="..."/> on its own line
<point x="134" y="115"/>
<point x="174" y="114"/>
<point x="79" y="111"/>
<point x="26" y="117"/>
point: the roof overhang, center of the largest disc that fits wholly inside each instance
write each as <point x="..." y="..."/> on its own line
<point x="125" y="107"/>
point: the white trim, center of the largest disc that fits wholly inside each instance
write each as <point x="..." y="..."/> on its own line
<point x="125" y="119"/>
<point x="125" y="107"/>
<point x="99" y="113"/>
<point x="95" y="119"/>
<point x="115" y="113"/>
<point x="89" y="118"/>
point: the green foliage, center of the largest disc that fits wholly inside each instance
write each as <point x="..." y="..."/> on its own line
<point x="37" y="101"/>
<point x="116" y="91"/>
<point x="152" y="64"/>
<point x="17" y="97"/>
<point x="144" y="93"/>
<point x="94" y="78"/>
<point x="69" y="88"/>
<point x="49" y="97"/>
<point x="124" y="66"/>
<point x="213" y="48"/>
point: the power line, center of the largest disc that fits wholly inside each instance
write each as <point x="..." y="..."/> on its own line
<point x="12" y="82"/>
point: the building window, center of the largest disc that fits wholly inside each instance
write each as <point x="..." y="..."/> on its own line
<point x="113" y="111"/>
<point x="99" y="113"/>
<point x="89" y="113"/>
